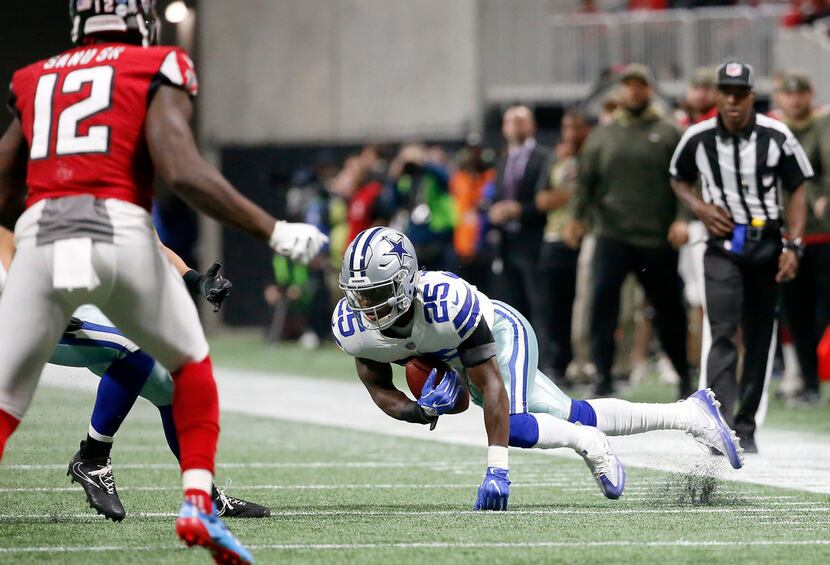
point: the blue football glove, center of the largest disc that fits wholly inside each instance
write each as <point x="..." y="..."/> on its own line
<point x="438" y="400"/>
<point x="494" y="490"/>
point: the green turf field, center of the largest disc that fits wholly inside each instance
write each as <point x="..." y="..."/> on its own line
<point x="346" y="497"/>
<point x="246" y="350"/>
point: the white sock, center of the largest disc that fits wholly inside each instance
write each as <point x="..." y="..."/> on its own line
<point x="617" y="417"/>
<point x="199" y="479"/>
<point x="99" y="437"/>
<point x="554" y="432"/>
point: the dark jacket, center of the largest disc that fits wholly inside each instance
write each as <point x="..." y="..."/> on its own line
<point x="524" y="236"/>
<point x="814" y="137"/>
<point x="623" y="185"/>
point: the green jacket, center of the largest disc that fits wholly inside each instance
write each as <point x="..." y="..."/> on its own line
<point x="623" y="184"/>
<point x="814" y="136"/>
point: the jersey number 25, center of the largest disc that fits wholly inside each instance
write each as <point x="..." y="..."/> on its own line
<point x="67" y="139"/>
<point x="435" y="303"/>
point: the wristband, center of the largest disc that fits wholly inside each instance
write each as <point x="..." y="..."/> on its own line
<point x="497" y="456"/>
<point x="414" y="413"/>
<point x="795" y="245"/>
<point x="193" y="281"/>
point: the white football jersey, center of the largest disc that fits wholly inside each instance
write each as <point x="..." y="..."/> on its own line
<point x="447" y="310"/>
<point x="2" y="277"/>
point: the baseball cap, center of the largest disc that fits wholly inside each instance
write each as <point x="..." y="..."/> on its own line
<point x="734" y="73"/>
<point x="636" y="71"/>
<point x="796" y="81"/>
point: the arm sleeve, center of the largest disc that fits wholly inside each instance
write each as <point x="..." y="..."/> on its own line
<point x="479" y="347"/>
<point x="683" y="166"/>
<point x="794" y="167"/>
<point x="177" y="70"/>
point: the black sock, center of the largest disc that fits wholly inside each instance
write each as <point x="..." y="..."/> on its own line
<point x="94" y="449"/>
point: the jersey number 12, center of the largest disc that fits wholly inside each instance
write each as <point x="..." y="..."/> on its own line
<point x="67" y="139"/>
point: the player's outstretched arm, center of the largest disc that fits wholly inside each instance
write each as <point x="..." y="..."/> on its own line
<point x="12" y="175"/>
<point x="178" y="161"/>
<point x="486" y="377"/>
<point x="377" y="378"/>
<point x="495" y="488"/>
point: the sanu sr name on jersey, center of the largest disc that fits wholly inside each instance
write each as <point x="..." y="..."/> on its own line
<point x="446" y="311"/>
<point x="82" y="114"/>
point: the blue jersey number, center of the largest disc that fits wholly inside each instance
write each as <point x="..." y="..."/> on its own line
<point x="435" y="303"/>
<point x="349" y="324"/>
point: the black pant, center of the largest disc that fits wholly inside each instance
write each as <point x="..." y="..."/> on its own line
<point x="741" y="290"/>
<point x="557" y="275"/>
<point x="656" y="270"/>
<point x="518" y="285"/>
<point x="807" y="305"/>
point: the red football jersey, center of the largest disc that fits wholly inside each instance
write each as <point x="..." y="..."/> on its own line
<point x="82" y="114"/>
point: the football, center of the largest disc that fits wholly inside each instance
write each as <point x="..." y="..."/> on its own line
<point x="417" y="371"/>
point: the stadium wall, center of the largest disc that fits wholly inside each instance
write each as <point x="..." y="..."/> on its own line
<point x="282" y="71"/>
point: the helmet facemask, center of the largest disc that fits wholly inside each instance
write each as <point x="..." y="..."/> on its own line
<point x="379" y="304"/>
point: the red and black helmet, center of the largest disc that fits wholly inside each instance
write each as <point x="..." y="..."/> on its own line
<point x="127" y="21"/>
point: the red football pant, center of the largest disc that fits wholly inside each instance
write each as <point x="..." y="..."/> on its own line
<point x="196" y="414"/>
<point x="8" y="424"/>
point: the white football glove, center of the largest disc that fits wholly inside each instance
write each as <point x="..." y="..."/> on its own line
<point x="300" y="242"/>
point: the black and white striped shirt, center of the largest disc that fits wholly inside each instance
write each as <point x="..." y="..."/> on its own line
<point x="743" y="173"/>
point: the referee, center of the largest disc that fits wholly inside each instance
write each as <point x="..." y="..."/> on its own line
<point x="744" y="160"/>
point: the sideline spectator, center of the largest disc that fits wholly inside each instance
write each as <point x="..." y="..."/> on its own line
<point x="807" y="298"/>
<point x="423" y="209"/>
<point x="513" y="213"/>
<point x="623" y="179"/>
<point x="607" y="108"/>
<point x="647" y="4"/>
<point x="355" y="184"/>
<point x="805" y="12"/>
<point x="467" y="186"/>
<point x="699" y="101"/>
<point x="699" y="105"/>
<point x="557" y="263"/>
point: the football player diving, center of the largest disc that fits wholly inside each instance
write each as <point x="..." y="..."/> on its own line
<point x="393" y="312"/>
<point x="91" y="341"/>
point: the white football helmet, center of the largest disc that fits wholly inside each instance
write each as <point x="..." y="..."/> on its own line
<point x="379" y="276"/>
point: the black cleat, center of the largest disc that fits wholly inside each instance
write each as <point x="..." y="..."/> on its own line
<point x="98" y="482"/>
<point x="230" y="507"/>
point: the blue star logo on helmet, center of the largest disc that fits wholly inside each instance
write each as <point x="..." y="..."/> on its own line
<point x="398" y="250"/>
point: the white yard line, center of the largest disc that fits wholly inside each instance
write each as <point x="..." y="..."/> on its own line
<point x="268" y="465"/>
<point x="756" y="512"/>
<point x="437" y="545"/>
<point x="788" y="459"/>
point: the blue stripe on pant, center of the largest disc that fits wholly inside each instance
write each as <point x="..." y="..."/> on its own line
<point x="517" y="354"/>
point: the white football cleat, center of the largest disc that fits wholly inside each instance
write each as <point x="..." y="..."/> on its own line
<point x="606" y="467"/>
<point x="709" y="428"/>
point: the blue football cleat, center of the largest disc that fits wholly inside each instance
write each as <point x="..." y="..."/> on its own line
<point x="207" y="530"/>
<point x="606" y="467"/>
<point x="710" y="429"/>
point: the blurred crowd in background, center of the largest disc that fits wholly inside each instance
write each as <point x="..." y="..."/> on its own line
<point x="517" y="221"/>
<point x="800" y="12"/>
